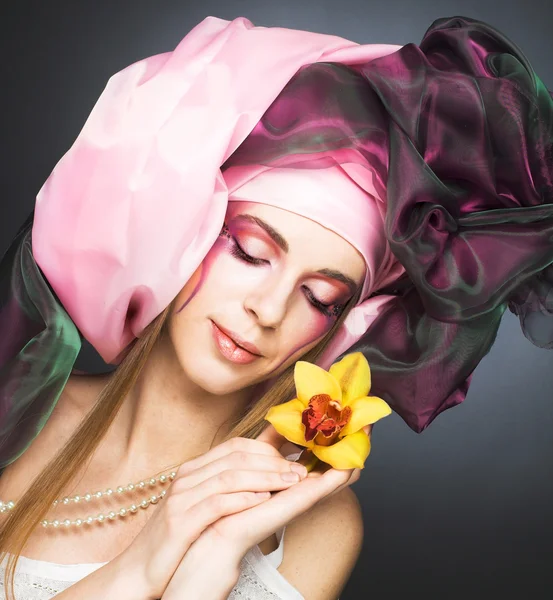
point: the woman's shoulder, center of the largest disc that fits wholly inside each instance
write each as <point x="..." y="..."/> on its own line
<point x="323" y="545"/>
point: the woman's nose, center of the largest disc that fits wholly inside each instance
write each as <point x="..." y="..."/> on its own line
<point x="268" y="304"/>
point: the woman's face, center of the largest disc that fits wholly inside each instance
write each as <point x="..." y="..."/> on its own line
<point x="268" y="291"/>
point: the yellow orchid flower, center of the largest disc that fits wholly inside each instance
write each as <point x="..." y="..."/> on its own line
<point x="330" y="411"/>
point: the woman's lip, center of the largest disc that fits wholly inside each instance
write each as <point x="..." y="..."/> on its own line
<point x="239" y="341"/>
<point x="229" y="348"/>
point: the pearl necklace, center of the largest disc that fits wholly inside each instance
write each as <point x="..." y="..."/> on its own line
<point x="101" y="518"/>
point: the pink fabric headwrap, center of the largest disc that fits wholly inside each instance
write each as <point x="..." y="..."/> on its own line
<point x="136" y="203"/>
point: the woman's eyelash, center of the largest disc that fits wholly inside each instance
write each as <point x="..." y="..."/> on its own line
<point x="237" y="251"/>
<point x="330" y="310"/>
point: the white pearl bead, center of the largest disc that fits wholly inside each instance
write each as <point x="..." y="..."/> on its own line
<point x="6" y="506"/>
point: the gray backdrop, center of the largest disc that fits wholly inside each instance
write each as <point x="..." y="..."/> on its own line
<point x="463" y="510"/>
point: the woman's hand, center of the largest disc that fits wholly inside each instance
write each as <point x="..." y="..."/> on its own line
<point x="240" y="531"/>
<point x="233" y="535"/>
<point x="219" y="483"/>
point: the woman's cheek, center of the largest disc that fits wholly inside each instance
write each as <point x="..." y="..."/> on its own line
<point x="223" y="268"/>
<point x="310" y="330"/>
<point x="314" y="327"/>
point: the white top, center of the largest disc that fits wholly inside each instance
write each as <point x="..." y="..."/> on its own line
<point x="259" y="577"/>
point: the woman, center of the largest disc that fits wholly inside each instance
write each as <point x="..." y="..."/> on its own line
<point x="221" y="216"/>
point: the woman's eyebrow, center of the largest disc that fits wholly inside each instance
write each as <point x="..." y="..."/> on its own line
<point x="277" y="238"/>
<point x="340" y="277"/>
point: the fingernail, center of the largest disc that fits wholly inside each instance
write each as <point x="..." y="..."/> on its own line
<point x="299" y="469"/>
<point x="290" y="476"/>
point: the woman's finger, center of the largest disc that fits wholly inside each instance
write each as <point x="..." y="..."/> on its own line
<point x="259" y="522"/>
<point x="329" y="481"/>
<point x="352" y="479"/>
<point x="237" y="444"/>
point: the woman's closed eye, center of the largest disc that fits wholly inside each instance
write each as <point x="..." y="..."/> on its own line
<point x="330" y="310"/>
<point x="238" y="252"/>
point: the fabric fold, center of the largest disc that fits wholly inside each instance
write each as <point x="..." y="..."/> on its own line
<point x="451" y="139"/>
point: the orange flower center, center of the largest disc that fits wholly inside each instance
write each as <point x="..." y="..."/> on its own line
<point x="324" y="418"/>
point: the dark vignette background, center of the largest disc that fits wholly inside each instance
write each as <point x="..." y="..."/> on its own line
<point x="463" y="510"/>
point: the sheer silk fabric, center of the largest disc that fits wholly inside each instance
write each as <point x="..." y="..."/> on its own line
<point x="456" y="138"/>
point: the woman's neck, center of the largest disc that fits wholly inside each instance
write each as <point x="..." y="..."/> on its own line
<point x="166" y="419"/>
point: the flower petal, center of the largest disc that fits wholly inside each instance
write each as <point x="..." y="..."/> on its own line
<point x="349" y="453"/>
<point x="354" y="376"/>
<point x="311" y="381"/>
<point x="365" y="411"/>
<point x="286" y="419"/>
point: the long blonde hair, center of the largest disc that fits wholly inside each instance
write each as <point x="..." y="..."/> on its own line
<point x="33" y="506"/>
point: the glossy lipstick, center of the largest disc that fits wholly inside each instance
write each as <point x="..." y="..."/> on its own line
<point x="230" y="348"/>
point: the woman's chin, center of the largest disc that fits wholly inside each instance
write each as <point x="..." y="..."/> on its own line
<point x="219" y="378"/>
